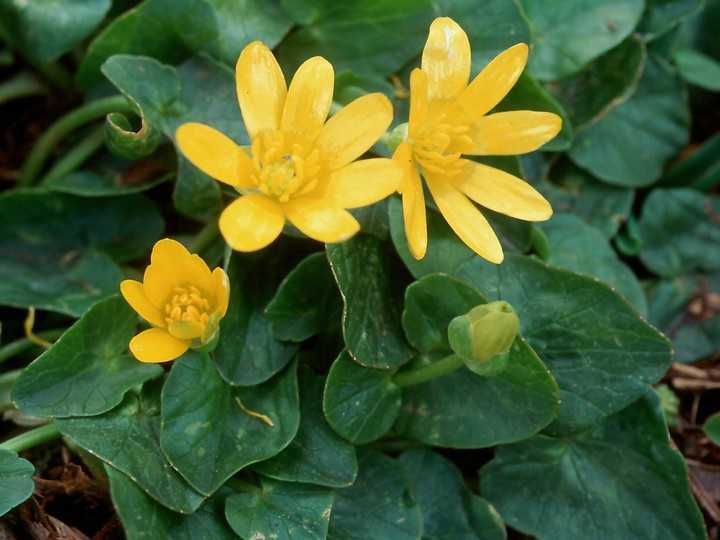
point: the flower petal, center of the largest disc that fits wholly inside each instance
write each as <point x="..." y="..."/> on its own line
<point x="215" y="154"/>
<point x="321" y="219"/>
<point x="251" y="222"/>
<point x="171" y="265"/>
<point x="512" y="132"/>
<point x="308" y="100"/>
<point x="349" y="133"/>
<point x="156" y="345"/>
<point x="361" y="183"/>
<point x="446" y="60"/>
<point x="221" y="293"/>
<point x="502" y="192"/>
<point x="186" y="330"/>
<point x="413" y="199"/>
<point x="134" y="293"/>
<point x="261" y="89"/>
<point x="465" y="219"/>
<point x="418" y="101"/>
<point x="492" y="84"/>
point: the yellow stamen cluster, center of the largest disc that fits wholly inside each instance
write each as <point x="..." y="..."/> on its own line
<point x="439" y="148"/>
<point x="187" y="304"/>
<point x="281" y="169"/>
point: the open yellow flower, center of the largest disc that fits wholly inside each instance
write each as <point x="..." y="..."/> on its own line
<point x="448" y="118"/>
<point x="300" y="168"/>
<point x="180" y="298"/>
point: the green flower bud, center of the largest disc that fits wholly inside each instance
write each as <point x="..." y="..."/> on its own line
<point x="483" y="337"/>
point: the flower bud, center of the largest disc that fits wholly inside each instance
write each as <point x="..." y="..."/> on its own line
<point x="483" y="337"/>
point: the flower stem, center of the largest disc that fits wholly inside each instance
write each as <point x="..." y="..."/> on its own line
<point x="32" y="438"/>
<point x="207" y="235"/>
<point x="16" y="347"/>
<point x="74" y="157"/>
<point x="21" y="85"/>
<point x="428" y="372"/>
<point x="63" y="127"/>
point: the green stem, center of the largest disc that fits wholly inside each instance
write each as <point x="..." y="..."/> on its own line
<point x="428" y="372"/>
<point x="205" y="237"/>
<point x="55" y="74"/>
<point x="32" y="438"/>
<point x="76" y="156"/>
<point x="21" y="85"/>
<point x="16" y="347"/>
<point x="63" y="127"/>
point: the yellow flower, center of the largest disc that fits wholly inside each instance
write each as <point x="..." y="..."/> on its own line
<point x="448" y="119"/>
<point x="300" y="168"/>
<point x="180" y="298"/>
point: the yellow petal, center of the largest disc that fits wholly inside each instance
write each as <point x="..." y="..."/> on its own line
<point x="251" y="222"/>
<point x="414" y="215"/>
<point x="156" y="345"/>
<point x="134" y="293"/>
<point x="186" y="330"/>
<point x="221" y="295"/>
<point x="513" y="132"/>
<point x="446" y="60"/>
<point x="362" y="182"/>
<point x="502" y="192"/>
<point x="465" y="219"/>
<point x="349" y="133"/>
<point x="171" y="265"/>
<point x="261" y="89"/>
<point x="308" y="100"/>
<point x="321" y="219"/>
<point x="493" y="83"/>
<point x="215" y="154"/>
<point x="418" y="101"/>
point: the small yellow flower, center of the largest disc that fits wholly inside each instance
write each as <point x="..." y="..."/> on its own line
<point x="300" y="168"/>
<point x="448" y="119"/>
<point x="180" y="298"/>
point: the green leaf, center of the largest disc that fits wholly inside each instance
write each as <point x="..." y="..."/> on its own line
<point x="497" y="26"/>
<point x="571" y="189"/>
<point x="568" y="36"/>
<point x="248" y="353"/>
<point x="711" y="427"/>
<point x="577" y="246"/>
<point x="87" y="371"/>
<point x="16" y="483"/>
<point x="700" y="170"/>
<point x="367" y="38"/>
<point x="207" y="453"/>
<point x="685" y="309"/>
<point x="377" y="505"/>
<point x="360" y="403"/>
<point x="370" y="284"/>
<point x="306" y="302"/>
<point x="461" y="409"/>
<point x="601" y="353"/>
<point x="128" y="438"/>
<point x="142" y="517"/>
<point x="317" y="455"/>
<point x="55" y="247"/>
<point x="618" y="480"/>
<point x="603" y="84"/>
<point x="281" y="510"/>
<point x="169" y="97"/>
<point x="44" y="31"/>
<point x="528" y="95"/>
<point x="449" y="508"/>
<point x="676" y="227"/>
<point x="163" y="29"/>
<point x="110" y="177"/>
<point x="630" y="145"/>
<point x="698" y="69"/>
<point x="662" y="16"/>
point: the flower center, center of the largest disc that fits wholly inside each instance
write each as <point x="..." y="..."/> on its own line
<point x="283" y="169"/>
<point x="187" y="304"/>
<point x="438" y="148"/>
